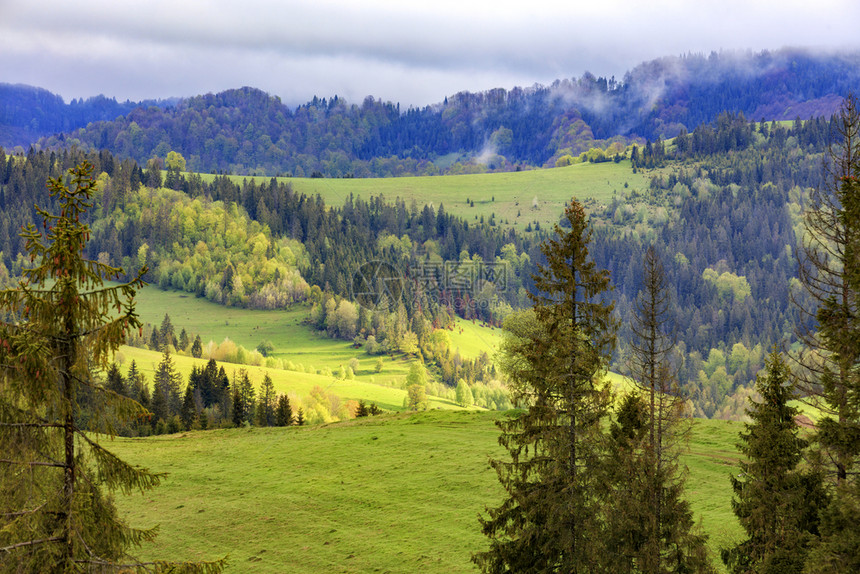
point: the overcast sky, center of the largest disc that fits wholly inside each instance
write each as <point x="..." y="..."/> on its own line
<point x="415" y="53"/>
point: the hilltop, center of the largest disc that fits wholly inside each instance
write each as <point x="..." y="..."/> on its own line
<point x="248" y="131"/>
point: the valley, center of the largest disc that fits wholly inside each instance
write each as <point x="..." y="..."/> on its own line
<point x="357" y="338"/>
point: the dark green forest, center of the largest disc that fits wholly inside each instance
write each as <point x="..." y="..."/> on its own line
<point x="723" y="207"/>
<point x="727" y="288"/>
<point x="246" y="131"/>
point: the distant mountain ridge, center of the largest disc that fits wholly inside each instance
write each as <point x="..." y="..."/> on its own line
<point x="28" y="113"/>
<point x="248" y="131"/>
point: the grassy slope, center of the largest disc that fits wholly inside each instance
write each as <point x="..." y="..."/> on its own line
<point x="513" y="192"/>
<point x="292" y="341"/>
<point x="294" y="382"/>
<point x="471" y="339"/>
<point x="399" y="493"/>
<point x="395" y="494"/>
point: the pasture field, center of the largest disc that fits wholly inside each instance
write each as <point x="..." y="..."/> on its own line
<point x="510" y="196"/>
<point x="472" y="339"/>
<point x="395" y="493"/>
<point x="291" y="339"/>
<point x="370" y="388"/>
<point x="295" y="342"/>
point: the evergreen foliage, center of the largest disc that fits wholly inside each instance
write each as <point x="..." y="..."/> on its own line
<point x="166" y="390"/>
<point x="284" y="412"/>
<point x="57" y="516"/>
<point x="267" y="403"/>
<point x="197" y="348"/>
<point x="830" y="274"/>
<point x="776" y="500"/>
<point x="556" y="357"/>
<point x="650" y="524"/>
<point x="537" y="126"/>
<point x="244" y="402"/>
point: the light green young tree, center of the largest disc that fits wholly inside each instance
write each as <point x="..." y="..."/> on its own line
<point x="464" y="394"/>
<point x="53" y="472"/>
<point x="416" y="394"/>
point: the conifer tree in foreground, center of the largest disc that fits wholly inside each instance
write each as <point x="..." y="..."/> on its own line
<point x="830" y="377"/>
<point x="56" y="516"/>
<point x="776" y="502"/>
<point x="650" y="524"/>
<point x="556" y="358"/>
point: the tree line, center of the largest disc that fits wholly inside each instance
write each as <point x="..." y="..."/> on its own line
<point x="247" y="131"/>
<point x="729" y="218"/>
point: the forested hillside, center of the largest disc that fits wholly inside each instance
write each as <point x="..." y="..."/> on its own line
<point x="28" y="113"/>
<point x="248" y="131"/>
<point x="722" y="207"/>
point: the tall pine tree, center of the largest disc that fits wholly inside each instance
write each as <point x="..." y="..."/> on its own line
<point x="651" y="527"/>
<point x="830" y="378"/>
<point x="556" y="358"/>
<point x="54" y="473"/>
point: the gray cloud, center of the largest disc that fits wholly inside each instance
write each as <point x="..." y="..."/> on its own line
<point x="413" y="54"/>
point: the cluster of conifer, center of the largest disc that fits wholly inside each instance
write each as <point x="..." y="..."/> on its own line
<point x="590" y="497"/>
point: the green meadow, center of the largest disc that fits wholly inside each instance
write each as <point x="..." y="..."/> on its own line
<point x="370" y="388"/>
<point x="396" y="493"/>
<point x="295" y="342"/>
<point x="520" y="198"/>
<point x="248" y="327"/>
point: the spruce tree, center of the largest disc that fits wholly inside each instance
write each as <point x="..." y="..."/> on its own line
<point x="115" y="380"/>
<point x="166" y="385"/>
<point x="284" y="414"/>
<point x="830" y="377"/>
<point x="57" y="516"/>
<point x="830" y="273"/>
<point x="556" y="358"/>
<point x="267" y="402"/>
<point x="166" y="333"/>
<point x="246" y="390"/>
<point x="136" y="385"/>
<point x="776" y="501"/>
<point x="183" y="341"/>
<point x="197" y="348"/>
<point x="188" y="413"/>
<point x="224" y="395"/>
<point x="651" y="526"/>
<point x="361" y="410"/>
<point x="238" y="408"/>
